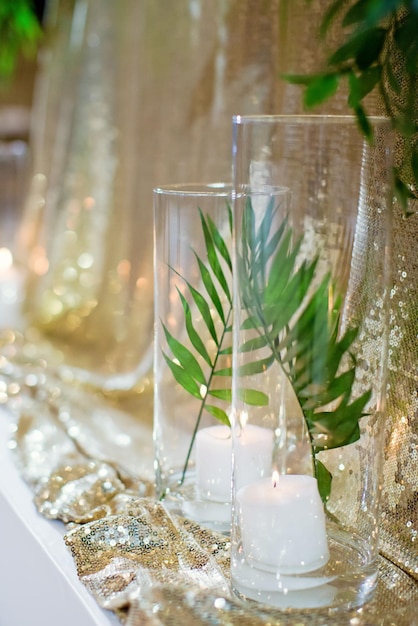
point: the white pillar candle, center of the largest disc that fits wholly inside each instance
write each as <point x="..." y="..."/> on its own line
<point x="282" y="524"/>
<point x="214" y="459"/>
<point x="11" y="291"/>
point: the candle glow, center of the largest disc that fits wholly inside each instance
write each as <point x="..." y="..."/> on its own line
<point x="275" y="478"/>
<point x="282" y="524"/>
<point x="214" y="459"/>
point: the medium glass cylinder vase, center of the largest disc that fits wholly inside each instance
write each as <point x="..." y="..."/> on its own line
<point x="311" y="285"/>
<point x="192" y="359"/>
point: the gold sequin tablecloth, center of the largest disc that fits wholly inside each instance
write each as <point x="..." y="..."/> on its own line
<point x="89" y="465"/>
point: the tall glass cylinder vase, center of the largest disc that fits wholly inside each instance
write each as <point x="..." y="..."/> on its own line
<point x="311" y="284"/>
<point x="120" y="120"/>
<point x="192" y="359"/>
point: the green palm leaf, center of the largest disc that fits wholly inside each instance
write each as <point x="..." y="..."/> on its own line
<point x="197" y="377"/>
<point x="218" y="413"/>
<point x="218" y="240"/>
<point x="221" y="394"/>
<point x="290" y="312"/>
<point x="213" y="257"/>
<point x="185" y="358"/>
<point x="183" y="378"/>
<point x="210" y="288"/>
<point x="193" y="335"/>
<point x="252" y="397"/>
<point x="205" y="311"/>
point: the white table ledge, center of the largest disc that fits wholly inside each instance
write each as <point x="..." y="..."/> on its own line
<point x="38" y="581"/>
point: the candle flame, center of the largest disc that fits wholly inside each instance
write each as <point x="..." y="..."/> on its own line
<point x="243" y="418"/>
<point x="275" y="478"/>
<point x="6" y="259"/>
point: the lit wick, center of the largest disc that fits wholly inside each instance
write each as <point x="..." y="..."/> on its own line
<point x="6" y="259"/>
<point x="275" y="478"/>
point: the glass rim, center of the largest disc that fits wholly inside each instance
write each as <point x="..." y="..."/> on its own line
<point x="220" y="190"/>
<point x="196" y="189"/>
<point x="320" y="118"/>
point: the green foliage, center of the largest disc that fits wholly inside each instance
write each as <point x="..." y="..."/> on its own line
<point x="214" y="304"/>
<point x="20" y="33"/>
<point x="320" y="89"/>
<point x="379" y="51"/>
<point x="291" y="315"/>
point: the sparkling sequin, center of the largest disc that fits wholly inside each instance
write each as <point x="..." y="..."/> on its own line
<point x="159" y="595"/>
<point x="143" y="563"/>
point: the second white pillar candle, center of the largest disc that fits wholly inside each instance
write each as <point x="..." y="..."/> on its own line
<point x="214" y="459"/>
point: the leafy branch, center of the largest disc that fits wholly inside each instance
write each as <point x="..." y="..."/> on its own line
<point x="291" y="316"/>
<point x="202" y="376"/>
<point x="379" y="51"/>
<point x="292" y="324"/>
<point x="20" y="33"/>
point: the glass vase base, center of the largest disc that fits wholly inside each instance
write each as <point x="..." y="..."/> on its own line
<point x="214" y="515"/>
<point x="211" y="514"/>
<point x="347" y="581"/>
<point x="317" y="596"/>
<point x="336" y="594"/>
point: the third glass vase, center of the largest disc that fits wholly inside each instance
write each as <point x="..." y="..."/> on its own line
<point x="193" y="338"/>
<point x="311" y="330"/>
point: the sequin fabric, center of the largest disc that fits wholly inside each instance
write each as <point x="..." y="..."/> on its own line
<point x="399" y="522"/>
<point x="90" y="467"/>
<point x="137" y="560"/>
